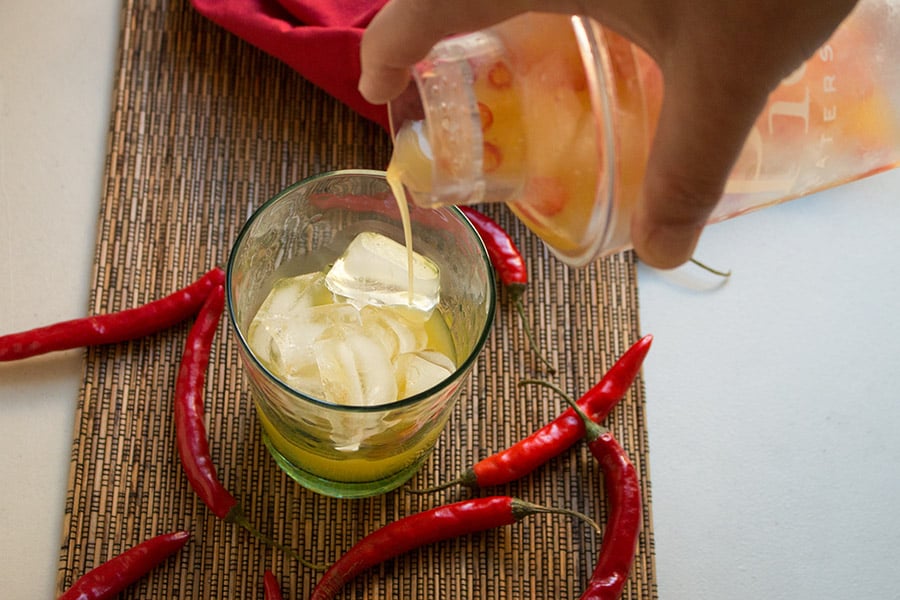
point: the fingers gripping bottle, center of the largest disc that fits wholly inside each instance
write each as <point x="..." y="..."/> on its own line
<point x="554" y="116"/>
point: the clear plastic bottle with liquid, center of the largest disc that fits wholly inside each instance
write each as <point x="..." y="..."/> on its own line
<point x="554" y="116"/>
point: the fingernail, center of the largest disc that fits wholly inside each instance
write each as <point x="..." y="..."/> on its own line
<point x="667" y="247"/>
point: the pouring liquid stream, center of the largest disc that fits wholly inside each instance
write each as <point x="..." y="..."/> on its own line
<point x="393" y="174"/>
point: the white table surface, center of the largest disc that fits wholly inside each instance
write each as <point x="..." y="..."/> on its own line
<point x="774" y="399"/>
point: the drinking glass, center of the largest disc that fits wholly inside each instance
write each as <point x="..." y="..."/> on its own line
<point x="353" y="451"/>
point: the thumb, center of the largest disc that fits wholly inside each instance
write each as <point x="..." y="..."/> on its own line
<point x="702" y="127"/>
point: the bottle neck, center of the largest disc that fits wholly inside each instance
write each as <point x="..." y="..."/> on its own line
<point x="437" y="125"/>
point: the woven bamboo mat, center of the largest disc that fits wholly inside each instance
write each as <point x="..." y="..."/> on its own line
<point x="205" y="128"/>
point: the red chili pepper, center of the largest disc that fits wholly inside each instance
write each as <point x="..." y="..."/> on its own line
<point x="504" y="254"/>
<point x="543" y="197"/>
<point x="193" y="447"/>
<point x="270" y="586"/>
<point x="486" y="115"/>
<point x="624" y="510"/>
<point x="428" y="527"/>
<point x="500" y="76"/>
<point x="623" y="522"/>
<point x="112" y="327"/>
<point x="562" y="433"/>
<point x="113" y="576"/>
<point x="190" y="430"/>
<point x="491" y="157"/>
<point x="509" y="264"/>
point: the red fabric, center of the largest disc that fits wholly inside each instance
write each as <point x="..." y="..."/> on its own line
<point x="318" y="38"/>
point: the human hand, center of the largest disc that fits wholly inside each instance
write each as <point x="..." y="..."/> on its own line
<point x="719" y="61"/>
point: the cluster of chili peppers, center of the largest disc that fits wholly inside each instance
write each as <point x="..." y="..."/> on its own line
<point x="579" y="421"/>
<point x="205" y="299"/>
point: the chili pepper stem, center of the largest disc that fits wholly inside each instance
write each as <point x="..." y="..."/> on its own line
<point x="468" y="478"/>
<point x="592" y="429"/>
<point x="532" y="343"/>
<point x="237" y="517"/>
<point x="705" y="267"/>
<point x="522" y="508"/>
<point x="436" y="488"/>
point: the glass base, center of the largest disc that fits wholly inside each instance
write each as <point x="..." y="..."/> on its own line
<point x="342" y="489"/>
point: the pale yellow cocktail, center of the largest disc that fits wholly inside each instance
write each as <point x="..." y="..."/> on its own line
<point x="354" y="373"/>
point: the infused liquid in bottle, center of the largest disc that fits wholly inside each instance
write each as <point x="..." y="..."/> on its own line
<point x="554" y="115"/>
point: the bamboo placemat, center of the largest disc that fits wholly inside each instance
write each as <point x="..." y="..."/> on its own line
<point x="204" y="128"/>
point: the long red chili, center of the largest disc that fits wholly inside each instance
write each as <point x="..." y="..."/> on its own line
<point x="108" y="579"/>
<point x="505" y="256"/>
<point x="509" y="264"/>
<point x="271" y="589"/>
<point x="562" y="433"/>
<point x="113" y="327"/>
<point x="190" y="430"/>
<point x="428" y="527"/>
<point x="623" y="522"/>
<point x="624" y="509"/>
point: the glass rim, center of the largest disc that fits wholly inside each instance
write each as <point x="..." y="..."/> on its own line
<point x="460" y="371"/>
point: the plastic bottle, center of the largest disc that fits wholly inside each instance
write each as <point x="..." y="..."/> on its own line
<point x="554" y="116"/>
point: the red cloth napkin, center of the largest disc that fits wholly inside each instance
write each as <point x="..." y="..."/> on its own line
<point x="318" y="38"/>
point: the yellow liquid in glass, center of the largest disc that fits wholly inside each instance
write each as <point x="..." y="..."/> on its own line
<point x="356" y="467"/>
<point x="388" y="452"/>
<point x="316" y="440"/>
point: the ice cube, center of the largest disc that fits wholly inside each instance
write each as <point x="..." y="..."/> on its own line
<point x="284" y="341"/>
<point x="355" y="369"/>
<point x="419" y="371"/>
<point x="292" y="294"/>
<point x="394" y="329"/>
<point x="286" y="301"/>
<point x="307" y="380"/>
<point x="374" y="270"/>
